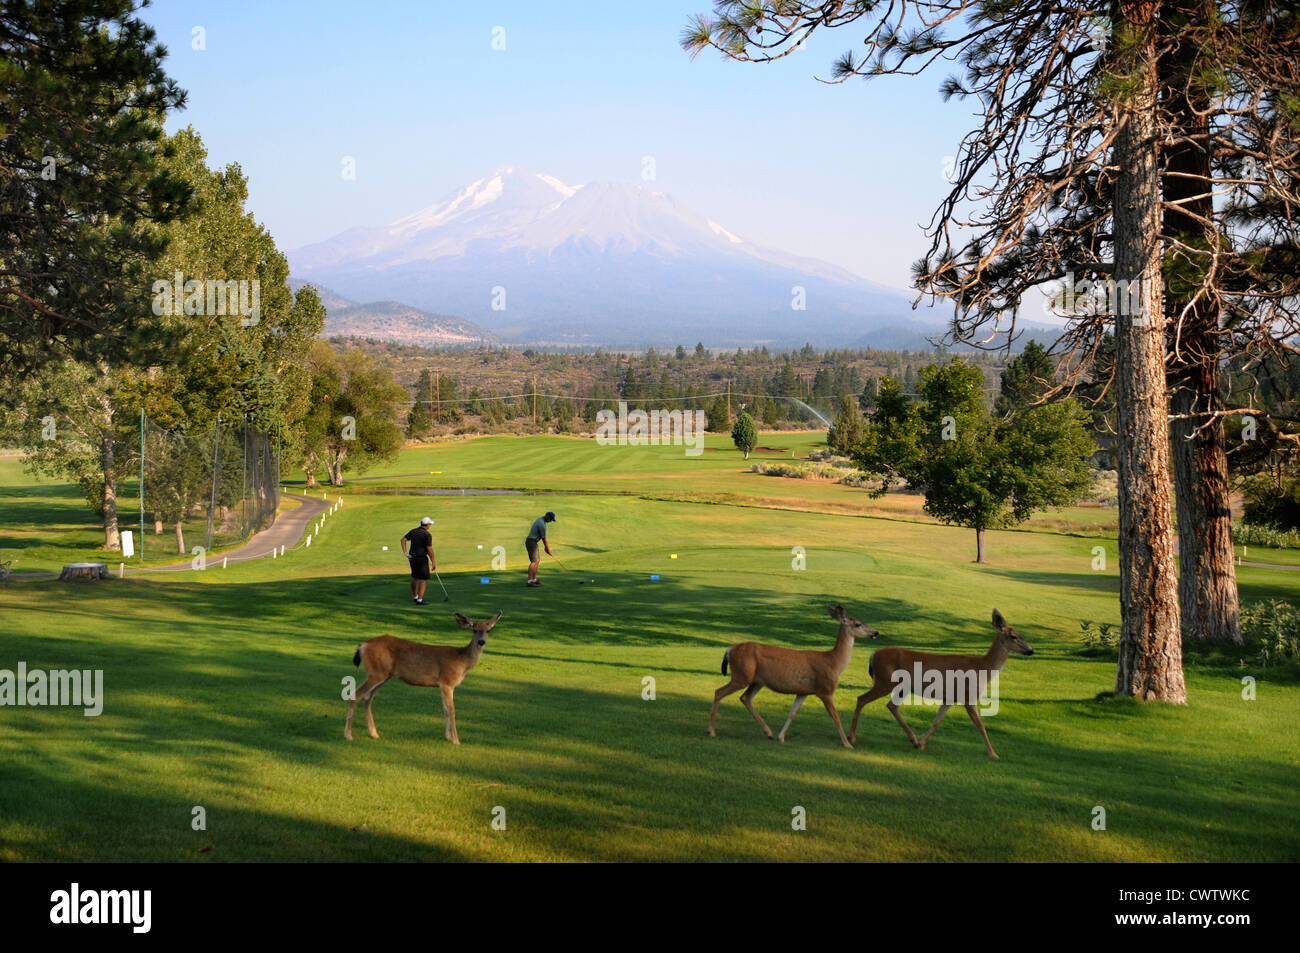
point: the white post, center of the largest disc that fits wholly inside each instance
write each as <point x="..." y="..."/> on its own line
<point x="308" y="539"/>
<point x="121" y="570"/>
<point x="223" y="562"/>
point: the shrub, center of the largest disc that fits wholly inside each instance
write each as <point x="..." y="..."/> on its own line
<point x="827" y="455"/>
<point x="1272" y="503"/>
<point x="1275" y="625"/>
<point x="1255" y="534"/>
<point x="815" y="469"/>
<point x="1098" y="635"/>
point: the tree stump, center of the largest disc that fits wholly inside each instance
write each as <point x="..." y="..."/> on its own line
<point x="88" y="571"/>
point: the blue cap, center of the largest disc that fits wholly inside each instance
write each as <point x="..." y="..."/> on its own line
<point x="549" y="517"/>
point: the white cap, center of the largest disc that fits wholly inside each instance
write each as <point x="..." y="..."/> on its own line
<point x="426" y="522"/>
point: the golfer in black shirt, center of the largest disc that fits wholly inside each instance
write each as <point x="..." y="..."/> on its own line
<point x="421" y="558"/>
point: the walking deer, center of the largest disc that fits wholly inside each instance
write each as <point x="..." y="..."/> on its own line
<point x="790" y="672"/>
<point x="896" y="669"/>
<point x="418" y="664"/>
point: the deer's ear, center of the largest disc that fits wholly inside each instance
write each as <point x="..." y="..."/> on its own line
<point x="837" y="612"/>
<point x="998" y="621"/>
<point x="493" y="621"/>
<point x="463" y="622"/>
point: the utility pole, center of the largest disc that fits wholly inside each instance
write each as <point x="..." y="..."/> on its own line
<point x="437" y="377"/>
<point x="534" y="400"/>
<point x="728" y="401"/>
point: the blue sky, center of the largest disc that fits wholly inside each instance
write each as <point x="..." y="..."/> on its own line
<point x="582" y="91"/>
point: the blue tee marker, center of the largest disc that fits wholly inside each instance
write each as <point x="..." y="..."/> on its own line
<point x="654" y="578"/>
<point x="483" y="580"/>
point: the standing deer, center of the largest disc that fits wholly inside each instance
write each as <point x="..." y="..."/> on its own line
<point x="958" y="675"/>
<point x="418" y="664"/>
<point x="790" y="672"/>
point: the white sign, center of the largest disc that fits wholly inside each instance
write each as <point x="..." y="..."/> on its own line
<point x="128" y="544"/>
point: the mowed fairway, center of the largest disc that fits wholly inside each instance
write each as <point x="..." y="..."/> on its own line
<point x="223" y="689"/>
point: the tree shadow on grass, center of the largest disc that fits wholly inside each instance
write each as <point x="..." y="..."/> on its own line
<point x="588" y="774"/>
<point x="1085" y="582"/>
<point x="241" y="680"/>
<point x="37" y="506"/>
<point x="47" y="817"/>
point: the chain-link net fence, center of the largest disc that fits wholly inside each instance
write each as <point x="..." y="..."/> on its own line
<point x="211" y="489"/>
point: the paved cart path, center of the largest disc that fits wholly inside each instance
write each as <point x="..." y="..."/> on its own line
<point x="285" y="531"/>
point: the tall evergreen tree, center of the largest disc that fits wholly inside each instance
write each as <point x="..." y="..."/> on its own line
<point x="1026" y="380"/>
<point x="847" y="428"/>
<point x="1056" y="107"/>
<point x="744" y="434"/>
<point x="82" y="101"/>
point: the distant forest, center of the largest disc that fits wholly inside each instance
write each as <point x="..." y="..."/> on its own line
<point x="498" y="389"/>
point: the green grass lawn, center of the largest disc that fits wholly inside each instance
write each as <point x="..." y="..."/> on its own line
<point x="223" y="689"/>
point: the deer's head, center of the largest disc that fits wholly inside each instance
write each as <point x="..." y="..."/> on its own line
<point x="480" y="629"/>
<point x="856" y="629"/>
<point x="1009" y="636"/>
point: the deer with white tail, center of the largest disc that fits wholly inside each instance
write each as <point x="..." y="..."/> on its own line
<point x="956" y="679"/>
<point x="443" y="666"/>
<point x="790" y="672"/>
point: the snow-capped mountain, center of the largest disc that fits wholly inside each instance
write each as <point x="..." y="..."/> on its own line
<point x="534" y="259"/>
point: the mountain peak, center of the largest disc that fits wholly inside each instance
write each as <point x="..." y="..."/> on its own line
<point x="608" y="261"/>
<point x="508" y="191"/>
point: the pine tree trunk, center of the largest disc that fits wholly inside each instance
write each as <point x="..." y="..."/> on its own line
<point x="180" y="537"/>
<point x="1207" y="584"/>
<point x="157" y="526"/>
<point x="979" y="546"/>
<point x="1150" y="650"/>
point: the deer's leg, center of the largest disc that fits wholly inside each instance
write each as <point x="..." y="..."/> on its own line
<point x="721" y="693"/>
<point x="794" y="710"/>
<point x="898" y="715"/>
<point x="746" y="700"/>
<point x="366" y="690"/>
<point x="370" y="716"/>
<point x="943" y="710"/>
<point x="449" y="706"/>
<point x="975" y="717"/>
<point x="829" y="702"/>
<point x="877" y="691"/>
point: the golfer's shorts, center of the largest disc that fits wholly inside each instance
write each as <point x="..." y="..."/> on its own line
<point x="531" y="545"/>
<point x="420" y="568"/>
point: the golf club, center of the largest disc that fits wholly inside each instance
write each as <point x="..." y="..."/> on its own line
<point x="445" y="597"/>
<point x="581" y="582"/>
